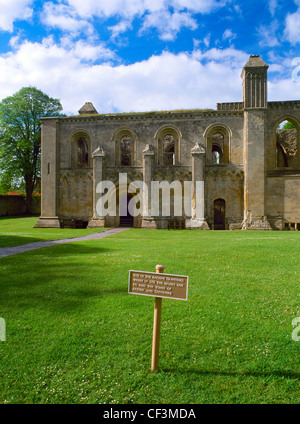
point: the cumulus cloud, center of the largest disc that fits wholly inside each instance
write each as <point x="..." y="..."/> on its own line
<point x="65" y="18"/>
<point x="168" y="24"/>
<point x="228" y="35"/>
<point x="13" y="10"/>
<point x="268" y="34"/>
<point x="162" y="82"/>
<point x="284" y="89"/>
<point x="167" y="16"/>
<point x="84" y="51"/>
<point x="131" y="8"/>
<point x="120" y="28"/>
<point x="292" y="27"/>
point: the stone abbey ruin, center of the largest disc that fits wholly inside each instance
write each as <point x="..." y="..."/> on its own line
<point x="249" y="168"/>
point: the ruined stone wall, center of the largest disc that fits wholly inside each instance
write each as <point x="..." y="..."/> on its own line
<point x="75" y="185"/>
<point x="283" y="184"/>
<point x="225" y="182"/>
<point x="283" y="200"/>
<point x="278" y="112"/>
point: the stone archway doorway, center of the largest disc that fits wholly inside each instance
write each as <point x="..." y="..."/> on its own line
<point x="126" y="220"/>
<point x="219" y="214"/>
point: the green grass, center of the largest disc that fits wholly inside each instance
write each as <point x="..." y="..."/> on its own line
<point x="17" y="231"/>
<point x="75" y="335"/>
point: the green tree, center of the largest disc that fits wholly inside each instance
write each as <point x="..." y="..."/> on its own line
<point x="288" y="126"/>
<point x="20" y="137"/>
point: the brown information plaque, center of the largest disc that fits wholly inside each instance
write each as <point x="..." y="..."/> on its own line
<point x="167" y="286"/>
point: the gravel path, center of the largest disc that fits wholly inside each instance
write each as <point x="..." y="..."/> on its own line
<point x="14" y="250"/>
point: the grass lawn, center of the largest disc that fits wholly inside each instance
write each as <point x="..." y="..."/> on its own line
<point x="17" y="231"/>
<point x="75" y="335"/>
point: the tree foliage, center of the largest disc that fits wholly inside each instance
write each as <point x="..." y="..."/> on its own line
<point x="20" y="137"/>
<point x="288" y="126"/>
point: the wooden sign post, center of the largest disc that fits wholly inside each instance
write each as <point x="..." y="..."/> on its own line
<point x="159" y="286"/>
<point x="156" y="325"/>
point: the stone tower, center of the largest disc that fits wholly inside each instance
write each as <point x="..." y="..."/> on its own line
<point x="254" y="77"/>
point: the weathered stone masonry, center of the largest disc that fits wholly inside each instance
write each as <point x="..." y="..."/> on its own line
<point x="250" y="170"/>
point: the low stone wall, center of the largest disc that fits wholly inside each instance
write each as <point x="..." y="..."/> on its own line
<point x="16" y="205"/>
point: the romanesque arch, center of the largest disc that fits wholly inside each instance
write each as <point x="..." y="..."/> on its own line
<point x="125" y="141"/>
<point x="168" y="141"/>
<point x="217" y="138"/>
<point x="80" y="150"/>
<point x="286" y="144"/>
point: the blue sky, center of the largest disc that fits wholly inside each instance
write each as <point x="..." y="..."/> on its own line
<point x="142" y="55"/>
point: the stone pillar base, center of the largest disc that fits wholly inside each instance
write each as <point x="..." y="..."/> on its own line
<point x="47" y="222"/>
<point x="149" y="223"/>
<point x="196" y="224"/>
<point x="96" y="223"/>
<point x="257" y="223"/>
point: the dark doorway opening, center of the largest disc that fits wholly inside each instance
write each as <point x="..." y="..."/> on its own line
<point x="219" y="214"/>
<point x="126" y="220"/>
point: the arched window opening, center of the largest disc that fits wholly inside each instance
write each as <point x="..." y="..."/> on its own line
<point x="168" y="146"/>
<point x="217" y="148"/>
<point x="286" y="144"/>
<point x="82" y="152"/>
<point x="169" y="150"/>
<point x="125" y="147"/>
<point x="126" y="151"/>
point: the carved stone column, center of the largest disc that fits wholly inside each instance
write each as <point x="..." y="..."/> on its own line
<point x="148" y="163"/>
<point x="197" y="220"/>
<point x="98" y="176"/>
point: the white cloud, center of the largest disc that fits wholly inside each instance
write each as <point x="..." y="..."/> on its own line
<point x="229" y="58"/>
<point x="84" y="51"/>
<point x="163" y="82"/>
<point x="124" y="8"/>
<point x="268" y="34"/>
<point x="131" y="8"/>
<point x="153" y="13"/>
<point x="273" y="4"/>
<point x="292" y="27"/>
<point x="206" y="40"/>
<point x="284" y="89"/>
<point x="65" y="18"/>
<point x="228" y="35"/>
<point x="167" y="16"/>
<point x="120" y="28"/>
<point x="13" y="10"/>
<point x="167" y="24"/>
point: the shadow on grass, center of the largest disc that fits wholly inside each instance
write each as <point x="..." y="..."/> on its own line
<point x="11" y="240"/>
<point x="59" y="278"/>
<point x="7" y="241"/>
<point x="275" y="373"/>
